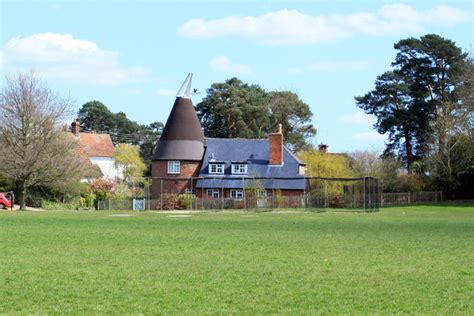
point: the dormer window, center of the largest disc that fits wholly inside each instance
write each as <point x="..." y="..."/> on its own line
<point x="239" y="168"/>
<point x="216" y="168"/>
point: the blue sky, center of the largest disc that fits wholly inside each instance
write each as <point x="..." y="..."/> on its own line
<point x="133" y="56"/>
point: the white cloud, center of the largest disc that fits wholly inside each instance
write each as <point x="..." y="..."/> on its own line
<point x="291" y="27"/>
<point x="224" y="64"/>
<point x="356" y="118"/>
<point x="164" y="92"/>
<point x="369" y="136"/>
<point x="61" y="56"/>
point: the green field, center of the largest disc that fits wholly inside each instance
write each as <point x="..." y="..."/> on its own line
<point x="400" y="260"/>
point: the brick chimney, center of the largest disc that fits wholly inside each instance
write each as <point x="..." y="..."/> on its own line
<point x="76" y="128"/>
<point x="276" y="147"/>
<point x="323" y="148"/>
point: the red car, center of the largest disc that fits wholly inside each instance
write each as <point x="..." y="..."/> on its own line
<point x="4" y="201"/>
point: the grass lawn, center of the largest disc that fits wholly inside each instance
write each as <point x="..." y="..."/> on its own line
<point x="416" y="259"/>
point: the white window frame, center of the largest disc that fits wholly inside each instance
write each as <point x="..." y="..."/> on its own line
<point x="237" y="194"/>
<point x="190" y="191"/>
<point x="219" y="168"/>
<point x="174" y="167"/>
<point x="213" y="193"/>
<point x="239" y="168"/>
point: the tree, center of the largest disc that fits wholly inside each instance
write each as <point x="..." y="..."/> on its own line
<point x="408" y="100"/>
<point x="325" y="165"/>
<point x="96" y="117"/>
<point x="294" y="115"/>
<point x="366" y="163"/>
<point x="35" y="149"/>
<point x="391" y="104"/>
<point x="321" y="164"/>
<point x="128" y="159"/>
<point x="236" y="109"/>
<point x="386" y="168"/>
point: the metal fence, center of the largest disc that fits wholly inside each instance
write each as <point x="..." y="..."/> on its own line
<point x="255" y="193"/>
<point x="407" y="198"/>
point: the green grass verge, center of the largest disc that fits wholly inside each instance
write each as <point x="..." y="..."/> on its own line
<point x="400" y="260"/>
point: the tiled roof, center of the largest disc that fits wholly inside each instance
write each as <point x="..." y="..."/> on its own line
<point x="256" y="153"/>
<point x="96" y="145"/>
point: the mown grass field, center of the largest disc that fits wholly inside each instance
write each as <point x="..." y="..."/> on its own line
<point x="400" y="260"/>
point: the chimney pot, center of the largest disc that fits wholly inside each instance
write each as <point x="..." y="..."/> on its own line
<point x="323" y="148"/>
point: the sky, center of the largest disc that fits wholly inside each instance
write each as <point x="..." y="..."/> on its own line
<point x="134" y="55"/>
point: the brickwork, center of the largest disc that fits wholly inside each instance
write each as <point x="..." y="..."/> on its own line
<point x="159" y="169"/>
<point x="276" y="148"/>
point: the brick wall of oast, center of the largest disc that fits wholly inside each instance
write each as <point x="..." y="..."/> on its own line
<point x="159" y="169"/>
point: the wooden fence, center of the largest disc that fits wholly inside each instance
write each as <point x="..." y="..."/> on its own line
<point x="406" y="198"/>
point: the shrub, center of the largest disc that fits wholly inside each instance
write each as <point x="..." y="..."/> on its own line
<point x="33" y="201"/>
<point x="171" y="202"/>
<point x="337" y="202"/>
<point x="278" y="199"/>
<point x="50" y="205"/>
<point x="186" y="201"/>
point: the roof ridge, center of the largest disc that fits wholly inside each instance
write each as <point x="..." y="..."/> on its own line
<point x="236" y="138"/>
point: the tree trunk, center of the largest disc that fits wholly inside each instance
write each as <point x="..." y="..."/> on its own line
<point x="408" y="151"/>
<point x="22" y="197"/>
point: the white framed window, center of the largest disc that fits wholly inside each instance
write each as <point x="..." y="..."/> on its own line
<point x="238" y="168"/>
<point x="214" y="193"/>
<point x="216" y="168"/>
<point x="237" y="194"/>
<point x="190" y="191"/>
<point x="174" y="167"/>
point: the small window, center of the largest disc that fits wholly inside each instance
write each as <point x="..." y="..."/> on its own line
<point x="190" y="191"/>
<point x="237" y="194"/>
<point x="262" y="193"/>
<point x="216" y="168"/>
<point x="239" y="168"/>
<point x="214" y="193"/>
<point x="174" y="167"/>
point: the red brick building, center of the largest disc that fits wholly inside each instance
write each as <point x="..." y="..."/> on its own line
<point x="185" y="161"/>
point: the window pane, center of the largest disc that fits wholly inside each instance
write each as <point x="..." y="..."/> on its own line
<point x="173" y="166"/>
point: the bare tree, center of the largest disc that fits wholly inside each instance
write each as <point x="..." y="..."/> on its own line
<point x="36" y="150"/>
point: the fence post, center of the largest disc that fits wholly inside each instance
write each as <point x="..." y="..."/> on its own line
<point x="149" y="195"/>
<point x="222" y="196"/>
<point x="364" y="193"/>
<point x="325" y="194"/>
<point x="161" y="194"/>
<point x="409" y="200"/>
<point x="304" y="193"/>
<point x="243" y="189"/>
<point x="273" y="194"/>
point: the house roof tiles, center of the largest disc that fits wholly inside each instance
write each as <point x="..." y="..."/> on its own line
<point x="256" y="153"/>
<point x="96" y="145"/>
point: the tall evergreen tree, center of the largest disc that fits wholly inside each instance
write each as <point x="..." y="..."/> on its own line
<point x="294" y="115"/>
<point x="236" y="109"/>
<point x="425" y="77"/>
